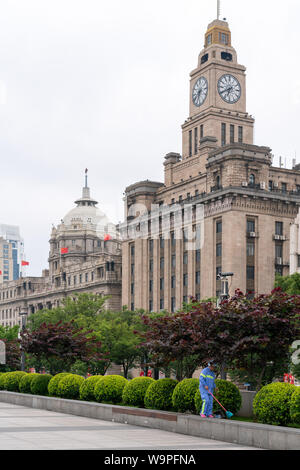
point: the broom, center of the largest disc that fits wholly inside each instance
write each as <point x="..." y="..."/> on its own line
<point x="229" y="415"/>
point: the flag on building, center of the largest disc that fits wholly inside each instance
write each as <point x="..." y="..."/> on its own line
<point x="24" y="263"/>
<point x="64" y="251"/>
<point x="107" y="238"/>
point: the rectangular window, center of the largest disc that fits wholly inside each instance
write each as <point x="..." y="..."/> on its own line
<point x="198" y="278"/>
<point x="278" y="250"/>
<point x="231" y="133"/>
<point x="219" y="250"/>
<point x="132" y="270"/>
<point x="196" y="140"/>
<point x="223" y="134"/>
<point x="173" y="304"/>
<point x="151" y="265"/>
<point x="162" y="304"/>
<point x="209" y="39"/>
<point x="298" y="261"/>
<point x="241" y="137"/>
<point x="218" y="271"/>
<point x="185" y="258"/>
<point x="198" y="256"/>
<point x="150" y="285"/>
<point x="223" y="38"/>
<point x="132" y="288"/>
<point x="201" y="131"/>
<point x="173" y="239"/>
<point x="132" y="250"/>
<point x="279" y="228"/>
<point x="284" y="187"/>
<point x="250" y="248"/>
<point x="250" y="273"/>
<point x="162" y="263"/>
<point x="219" y="226"/>
<point x="150" y="246"/>
<point x="270" y="185"/>
<point x="150" y="305"/>
<point x="185" y="280"/>
<point x="173" y="282"/>
<point x="190" y="143"/>
<point x="162" y="283"/>
<point x="173" y="261"/>
<point x="162" y="243"/>
<point x="250" y="226"/>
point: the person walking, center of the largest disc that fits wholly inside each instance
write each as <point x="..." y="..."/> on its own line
<point x="206" y="385"/>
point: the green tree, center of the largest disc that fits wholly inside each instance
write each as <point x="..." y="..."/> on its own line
<point x="289" y="284"/>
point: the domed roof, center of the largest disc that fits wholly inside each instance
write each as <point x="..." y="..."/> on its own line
<point x="86" y="213"/>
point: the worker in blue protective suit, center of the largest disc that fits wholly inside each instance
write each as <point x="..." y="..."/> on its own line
<point x="206" y="385"/>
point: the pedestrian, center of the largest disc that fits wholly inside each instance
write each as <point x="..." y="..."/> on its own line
<point x="206" y="385"/>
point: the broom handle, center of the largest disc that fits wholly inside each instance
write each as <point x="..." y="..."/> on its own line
<point x="217" y="401"/>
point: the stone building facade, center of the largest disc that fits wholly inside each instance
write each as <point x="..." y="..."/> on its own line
<point x="85" y="256"/>
<point x="295" y="246"/>
<point x="222" y="208"/>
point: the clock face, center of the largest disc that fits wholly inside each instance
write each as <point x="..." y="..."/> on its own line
<point x="229" y="89"/>
<point x="200" y="91"/>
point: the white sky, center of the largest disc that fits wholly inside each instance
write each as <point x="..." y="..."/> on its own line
<point x="104" y="85"/>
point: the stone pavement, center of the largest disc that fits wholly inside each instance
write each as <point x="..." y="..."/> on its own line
<point x="24" y="428"/>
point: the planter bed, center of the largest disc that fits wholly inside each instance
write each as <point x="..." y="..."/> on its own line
<point x="233" y="431"/>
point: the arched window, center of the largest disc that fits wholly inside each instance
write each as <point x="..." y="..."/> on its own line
<point x="252" y="180"/>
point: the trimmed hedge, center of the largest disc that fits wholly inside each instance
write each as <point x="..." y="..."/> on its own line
<point x="12" y="380"/>
<point x="159" y="395"/>
<point x="86" y="391"/>
<point x="272" y="404"/>
<point x="39" y="384"/>
<point x="295" y="406"/>
<point x="183" y="398"/>
<point x="110" y="389"/>
<point x="2" y="380"/>
<point x="25" y="383"/>
<point x="135" y="391"/>
<point x="69" y="386"/>
<point x="53" y="384"/>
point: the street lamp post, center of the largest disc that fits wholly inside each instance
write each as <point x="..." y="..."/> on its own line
<point x="23" y="326"/>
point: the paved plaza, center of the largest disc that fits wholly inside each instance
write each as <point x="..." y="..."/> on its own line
<point x="24" y="428"/>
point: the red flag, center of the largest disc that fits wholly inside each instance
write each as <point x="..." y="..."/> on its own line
<point x="0" y="273"/>
<point x="64" y="251"/>
<point x="25" y="263"/>
<point x="107" y="238"/>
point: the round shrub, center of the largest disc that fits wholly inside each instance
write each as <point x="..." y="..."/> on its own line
<point x="2" y="380"/>
<point x="272" y="404"/>
<point x="159" y="394"/>
<point x="12" y="381"/>
<point x="228" y="394"/>
<point x="183" y="398"/>
<point x="110" y="389"/>
<point x="25" y="383"/>
<point x="53" y="384"/>
<point x="86" y="391"/>
<point x="295" y="407"/>
<point x="69" y="386"/>
<point x="39" y="384"/>
<point x="135" y="391"/>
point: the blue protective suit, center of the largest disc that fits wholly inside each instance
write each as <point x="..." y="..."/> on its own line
<point x="207" y="379"/>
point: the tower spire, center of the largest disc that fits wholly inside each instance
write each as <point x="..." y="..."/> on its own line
<point x="86" y="178"/>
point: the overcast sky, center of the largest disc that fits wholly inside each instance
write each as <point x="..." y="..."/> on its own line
<point x="104" y="85"/>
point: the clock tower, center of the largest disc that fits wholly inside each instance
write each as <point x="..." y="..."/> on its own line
<point x="217" y="95"/>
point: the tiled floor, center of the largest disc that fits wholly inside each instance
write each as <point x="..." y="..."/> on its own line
<point x="26" y="428"/>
